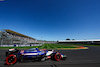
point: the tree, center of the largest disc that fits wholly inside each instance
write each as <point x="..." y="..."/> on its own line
<point x="67" y="39"/>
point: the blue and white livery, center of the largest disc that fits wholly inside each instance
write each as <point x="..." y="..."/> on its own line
<point x="14" y="55"/>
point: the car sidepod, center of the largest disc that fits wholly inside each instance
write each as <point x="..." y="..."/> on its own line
<point x="34" y="55"/>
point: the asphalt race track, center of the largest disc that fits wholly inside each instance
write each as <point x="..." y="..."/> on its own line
<point x="76" y="58"/>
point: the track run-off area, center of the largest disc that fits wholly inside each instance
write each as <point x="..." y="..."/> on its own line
<point x="75" y="58"/>
<point x="52" y="46"/>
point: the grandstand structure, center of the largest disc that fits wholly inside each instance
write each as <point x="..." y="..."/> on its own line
<point x="44" y="41"/>
<point x="9" y="37"/>
<point x="94" y="41"/>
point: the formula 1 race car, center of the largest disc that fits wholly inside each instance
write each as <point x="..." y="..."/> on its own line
<point x="14" y="55"/>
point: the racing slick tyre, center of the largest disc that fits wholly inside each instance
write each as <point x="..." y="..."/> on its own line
<point x="11" y="59"/>
<point x="56" y="57"/>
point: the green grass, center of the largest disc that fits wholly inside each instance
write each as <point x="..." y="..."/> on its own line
<point x="85" y="44"/>
<point x="45" y="46"/>
<point x="51" y="46"/>
<point x="54" y="46"/>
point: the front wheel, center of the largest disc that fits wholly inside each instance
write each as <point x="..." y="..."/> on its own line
<point x="11" y="59"/>
<point x="56" y="57"/>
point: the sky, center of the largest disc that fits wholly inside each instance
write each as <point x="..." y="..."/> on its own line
<point x="52" y="20"/>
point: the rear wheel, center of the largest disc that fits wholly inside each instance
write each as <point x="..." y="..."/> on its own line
<point x="11" y="59"/>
